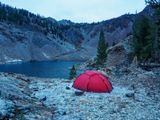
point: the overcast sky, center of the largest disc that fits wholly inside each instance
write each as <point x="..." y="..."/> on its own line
<point x="79" y="10"/>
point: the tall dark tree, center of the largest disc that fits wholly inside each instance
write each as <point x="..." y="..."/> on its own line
<point x="155" y="4"/>
<point x="72" y="72"/>
<point x="114" y="43"/>
<point x="101" y="50"/>
<point x="142" y="38"/>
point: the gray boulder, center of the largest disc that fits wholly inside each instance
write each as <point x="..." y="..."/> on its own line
<point x="120" y="53"/>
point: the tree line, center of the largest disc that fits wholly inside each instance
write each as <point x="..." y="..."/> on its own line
<point x="23" y="17"/>
<point x="146" y="35"/>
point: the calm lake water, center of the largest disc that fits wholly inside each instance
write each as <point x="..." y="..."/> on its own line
<point x="46" y="69"/>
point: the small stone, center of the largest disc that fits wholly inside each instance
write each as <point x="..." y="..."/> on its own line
<point x="79" y="93"/>
<point x="100" y="107"/>
<point x="43" y="99"/>
<point x="35" y="89"/>
<point x="130" y="95"/>
<point x="64" y="113"/>
<point x="68" y="88"/>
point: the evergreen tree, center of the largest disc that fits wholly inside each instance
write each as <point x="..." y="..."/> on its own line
<point x="113" y="44"/>
<point x="23" y="17"/>
<point x="155" y="4"/>
<point x="142" y="38"/>
<point x="101" y="50"/>
<point x="72" y="72"/>
<point x="157" y="26"/>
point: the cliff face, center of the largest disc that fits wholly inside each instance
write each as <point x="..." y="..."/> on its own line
<point x="62" y="40"/>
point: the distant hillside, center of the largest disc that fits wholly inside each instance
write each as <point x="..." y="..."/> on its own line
<point x="25" y="36"/>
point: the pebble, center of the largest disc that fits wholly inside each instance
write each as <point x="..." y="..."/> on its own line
<point x="68" y="88"/>
<point x="130" y="95"/>
<point x="79" y="93"/>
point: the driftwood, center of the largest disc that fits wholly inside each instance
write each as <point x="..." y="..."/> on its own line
<point x="149" y="65"/>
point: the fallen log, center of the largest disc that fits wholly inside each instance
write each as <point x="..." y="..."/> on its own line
<point x="149" y="65"/>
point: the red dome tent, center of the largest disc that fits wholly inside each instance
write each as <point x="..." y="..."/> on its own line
<point x="93" y="81"/>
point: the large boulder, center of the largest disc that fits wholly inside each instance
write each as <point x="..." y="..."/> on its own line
<point x="120" y="54"/>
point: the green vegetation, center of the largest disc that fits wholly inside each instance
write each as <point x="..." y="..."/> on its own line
<point x="101" y="50"/>
<point x="155" y="4"/>
<point x="73" y="73"/>
<point x="142" y="38"/>
<point x="23" y="17"/>
<point x="114" y="43"/>
<point x="146" y="34"/>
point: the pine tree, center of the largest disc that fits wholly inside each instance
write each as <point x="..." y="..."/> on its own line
<point x="142" y="38"/>
<point x="72" y="72"/>
<point x="113" y="44"/>
<point x="101" y="50"/>
<point x="157" y="26"/>
<point x="155" y="4"/>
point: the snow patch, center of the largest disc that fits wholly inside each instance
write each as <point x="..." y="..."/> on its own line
<point x="46" y="56"/>
<point x="12" y="60"/>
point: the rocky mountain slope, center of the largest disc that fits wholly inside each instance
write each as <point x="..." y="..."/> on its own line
<point x="29" y="37"/>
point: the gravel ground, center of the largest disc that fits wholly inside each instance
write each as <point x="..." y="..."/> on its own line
<point x="135" y="96"/>
<point x="6" y="108"/>
<point x="129" y="100"/>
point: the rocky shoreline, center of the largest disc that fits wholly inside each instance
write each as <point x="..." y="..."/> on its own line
<point x="16" y="101"/>
<point x="135" y="96"/>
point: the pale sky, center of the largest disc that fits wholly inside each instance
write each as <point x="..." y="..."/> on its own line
<point x="79" y="10"/>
